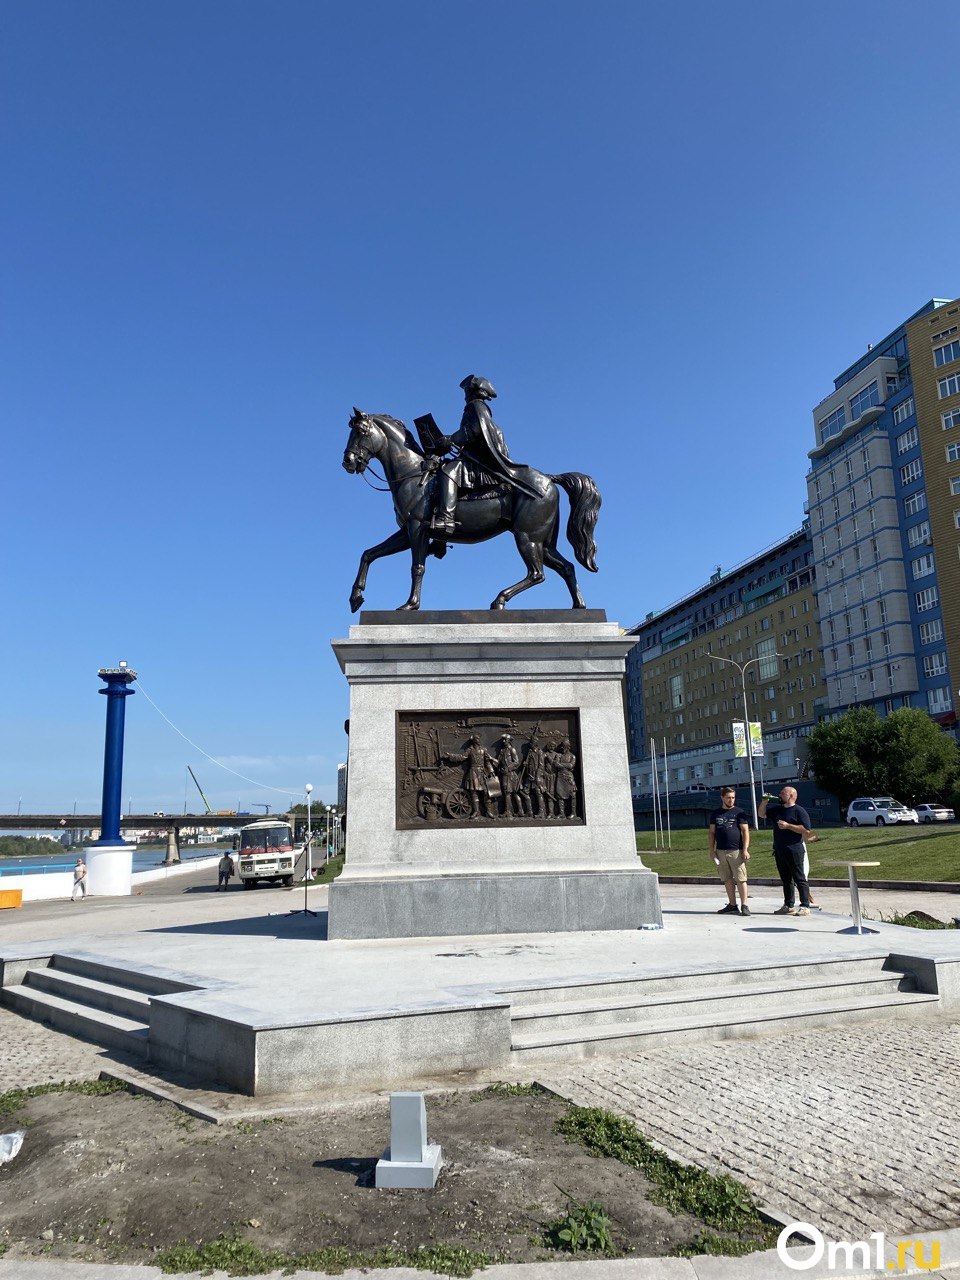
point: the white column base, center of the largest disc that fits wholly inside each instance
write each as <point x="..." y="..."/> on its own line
<point x="109" y="870"/>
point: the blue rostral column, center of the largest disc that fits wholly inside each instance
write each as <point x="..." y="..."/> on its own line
<point x="117" y="679"/>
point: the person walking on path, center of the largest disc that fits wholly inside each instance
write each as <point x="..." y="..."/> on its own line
<point x="79" y="880"/>
<point x="730" y="850"/>
<point x="224" y="872"/>
<point x="791" y="828"/>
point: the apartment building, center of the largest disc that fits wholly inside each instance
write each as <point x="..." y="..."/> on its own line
<point x="684" y="684"/>
<point x="885" y="525"/>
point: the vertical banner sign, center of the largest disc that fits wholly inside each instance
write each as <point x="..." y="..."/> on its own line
<point x="756" y="739"/>
<point x="739" y="738"/>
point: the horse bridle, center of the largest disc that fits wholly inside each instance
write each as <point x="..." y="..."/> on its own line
<point x="363" y="462"/>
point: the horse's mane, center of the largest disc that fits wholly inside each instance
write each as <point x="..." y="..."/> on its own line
<point x="408" y="437"/>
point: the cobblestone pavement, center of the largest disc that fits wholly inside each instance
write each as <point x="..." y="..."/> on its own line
<point x="34" y="1054"/>
<point x="854" y="1130"/>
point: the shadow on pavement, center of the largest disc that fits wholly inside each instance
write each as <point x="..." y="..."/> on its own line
<point x="278" y="925"/>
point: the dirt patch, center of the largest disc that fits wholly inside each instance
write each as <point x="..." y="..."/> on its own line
<point x="121" y="1177"/>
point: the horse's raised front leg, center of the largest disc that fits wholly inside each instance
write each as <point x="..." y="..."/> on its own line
<point x="398" y="541"/>
<point x="532" y="553"/>
<point x="419" y="540"/>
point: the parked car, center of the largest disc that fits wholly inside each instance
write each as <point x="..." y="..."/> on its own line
<point x="877" y="811"/>
<point x="935" y="813"/>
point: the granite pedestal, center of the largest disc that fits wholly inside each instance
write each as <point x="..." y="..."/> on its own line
<point x="477" y="875"/>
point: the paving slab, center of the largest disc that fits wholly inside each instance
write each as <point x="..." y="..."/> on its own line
<point x="853" y="1129"/>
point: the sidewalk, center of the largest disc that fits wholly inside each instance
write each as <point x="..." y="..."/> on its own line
<point x="757" y="1266"/>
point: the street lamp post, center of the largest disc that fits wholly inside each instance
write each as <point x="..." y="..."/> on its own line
<point x="307" y="869"/>
<point x="746" y="725"/>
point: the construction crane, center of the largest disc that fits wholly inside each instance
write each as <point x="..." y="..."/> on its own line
<point x="255" y="804"/>
<point x="200" y="789"/>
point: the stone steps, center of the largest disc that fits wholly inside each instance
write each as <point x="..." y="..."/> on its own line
<point x="571" y="1021"/>
<point x="700" y="981"/>
<point x="573" y="1014"/>
<point x="92" y="998"/>
<point x="112" y="1030"/>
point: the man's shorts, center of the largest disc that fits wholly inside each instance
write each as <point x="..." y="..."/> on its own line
<point x="733" y="866"/>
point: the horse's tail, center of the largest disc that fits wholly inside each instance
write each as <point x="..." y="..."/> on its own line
<point x="584" y="508"/>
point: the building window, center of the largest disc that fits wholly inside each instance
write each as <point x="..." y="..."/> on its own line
<point x="907" y="440"/>
<point x="864" y="400"/>
<point x="944" y="333"/>
<point x="831" y="426"/>
<point x="950" y="419"/>
<point x="931" y="632"/>
<point x="953" y="452"/>
<point x="916" y="503"/>
<point x="676" y="691"/>
<point x="774" y="717"/>
<point x="919" y="533"/>
<point x="903" y="411"/>
<point x="945" y="354"/>
<point x="935" y="664"/>
<point x="956" y="519"/>
<point x="912" y="471"/>
<point x="955" y="485"/>
<point x="948" y="386"/>
<point x="929" y="598"/>
<point x="922" y="567"/>
<point x="939" y="700"/>
<point x="766" y="652"/>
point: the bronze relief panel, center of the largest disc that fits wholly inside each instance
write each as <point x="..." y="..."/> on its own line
<point x="488" y="769"/>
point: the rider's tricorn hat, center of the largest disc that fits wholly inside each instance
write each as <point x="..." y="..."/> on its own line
<point x="478" y="387"/>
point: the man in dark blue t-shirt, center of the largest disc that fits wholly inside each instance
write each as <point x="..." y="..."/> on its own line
<point x="730" y="850"/>
<point x="791" y="828"/>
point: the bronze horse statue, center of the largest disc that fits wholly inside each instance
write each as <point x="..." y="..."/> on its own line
<point x="531" y="514"/>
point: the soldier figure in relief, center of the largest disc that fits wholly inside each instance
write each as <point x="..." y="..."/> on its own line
<point x="479" y="764"/>
<point x="564" y="763"/>
<point x="508" y="766"/>
<point x="535" y="780"/>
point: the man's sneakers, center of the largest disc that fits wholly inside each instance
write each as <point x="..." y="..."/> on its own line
<point x="786" y="911"/>
<point x="729" y="910"/>
<point x="803" y="911"/>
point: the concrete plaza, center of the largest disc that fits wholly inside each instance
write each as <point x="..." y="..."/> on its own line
<point x="852" y="1127"/>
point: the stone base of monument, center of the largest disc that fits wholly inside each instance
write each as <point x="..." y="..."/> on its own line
<point x="494" y="901"/>
<point x="109" y="870"/>
<point x="488" y="777"/>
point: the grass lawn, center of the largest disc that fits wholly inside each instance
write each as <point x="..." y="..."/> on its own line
<point x="904" y="853"/>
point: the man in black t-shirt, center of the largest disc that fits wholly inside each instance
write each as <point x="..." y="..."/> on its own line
<point x="791" y="828"/>
<point x="730" y="850"/>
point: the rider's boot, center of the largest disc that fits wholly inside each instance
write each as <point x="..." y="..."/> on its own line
<point x="443" y="522"/>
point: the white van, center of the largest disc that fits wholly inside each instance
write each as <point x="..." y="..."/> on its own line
<point x="266" y="853"/>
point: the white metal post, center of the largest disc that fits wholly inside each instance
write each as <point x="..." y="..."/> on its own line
<point x="666" y="789"/>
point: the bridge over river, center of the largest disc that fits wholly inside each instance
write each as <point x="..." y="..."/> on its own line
<point x="172" y="823"/>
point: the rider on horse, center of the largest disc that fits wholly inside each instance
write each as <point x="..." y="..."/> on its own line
<point x="484" y="460"/>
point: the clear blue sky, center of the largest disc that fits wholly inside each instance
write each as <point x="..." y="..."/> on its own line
<point x="659" y="230"/>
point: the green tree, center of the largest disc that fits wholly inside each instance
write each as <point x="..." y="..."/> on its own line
<point x="906" y="755"/>
<point x="922" y="761"/>
<point x="28" y="847"/>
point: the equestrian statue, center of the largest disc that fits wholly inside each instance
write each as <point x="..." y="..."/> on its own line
<point x="466" y="488"/>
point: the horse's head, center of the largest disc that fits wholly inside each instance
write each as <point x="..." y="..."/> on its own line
<point x="366" y="441"/>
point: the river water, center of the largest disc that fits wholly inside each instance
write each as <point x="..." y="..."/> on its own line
<point x="143" y="859"/>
